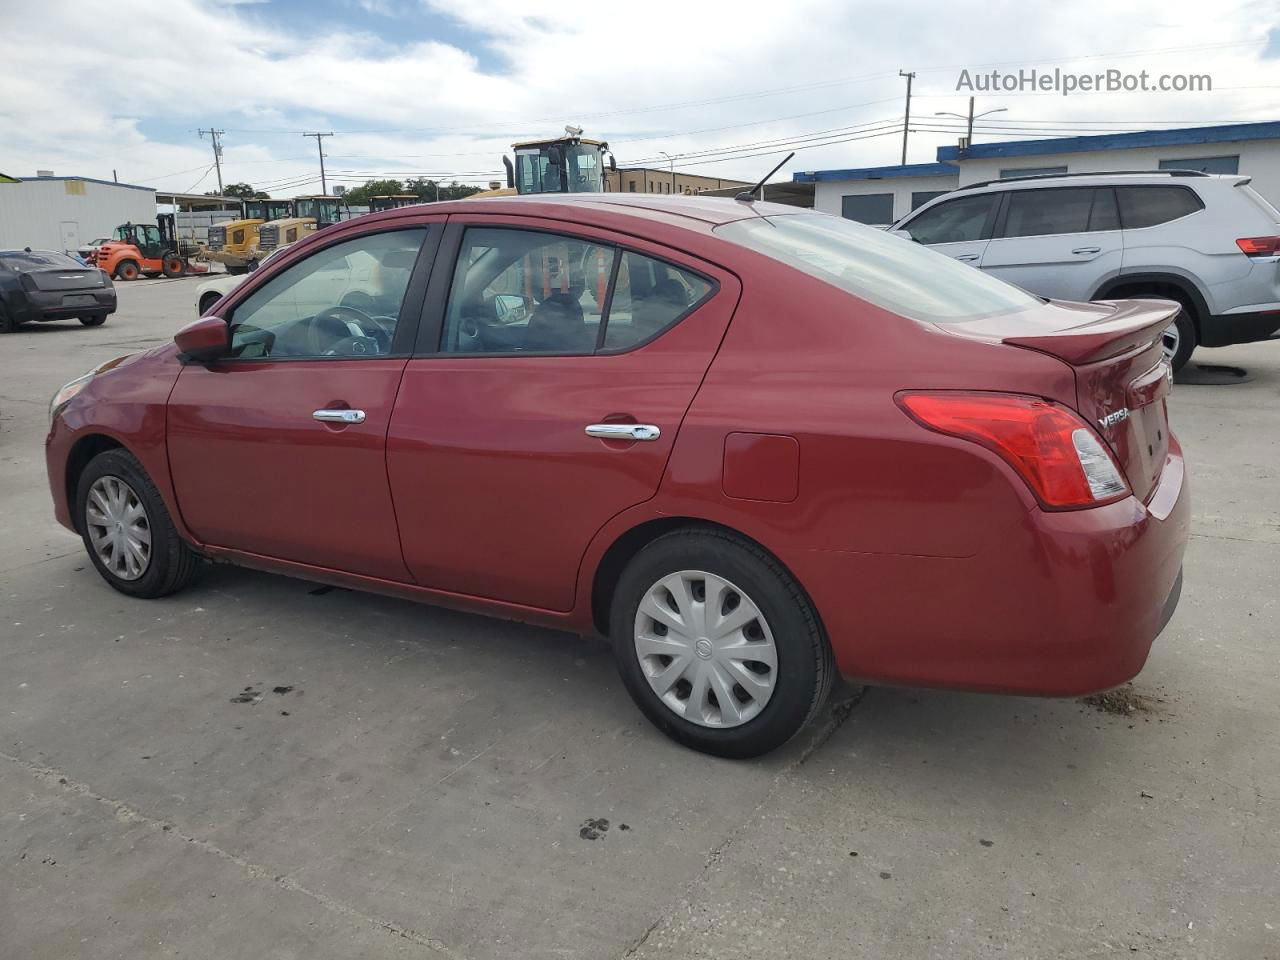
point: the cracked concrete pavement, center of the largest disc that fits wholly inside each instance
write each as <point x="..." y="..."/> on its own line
<point x="422" y="788"/>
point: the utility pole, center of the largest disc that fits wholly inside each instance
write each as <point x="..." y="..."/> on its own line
<point x="217" y="152"/>
<point x="324" y="188"/>
<point x="906" y="119"/>
<point x="673" y="168"/>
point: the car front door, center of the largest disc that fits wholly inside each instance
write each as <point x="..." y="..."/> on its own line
<point x="959" y="227"/>
<point x="545" y="401"/>
<point x="280" y="449"/>
<point x="1060" y="242"/>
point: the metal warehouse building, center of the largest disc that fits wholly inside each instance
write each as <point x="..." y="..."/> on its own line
<point x="881" y="195"/>
<point x="61" y="213"/>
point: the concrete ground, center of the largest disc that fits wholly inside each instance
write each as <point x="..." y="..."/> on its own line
<point x="425" y="784"/>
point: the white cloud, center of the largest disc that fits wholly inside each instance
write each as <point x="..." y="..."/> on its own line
<point x="78" y="93"/>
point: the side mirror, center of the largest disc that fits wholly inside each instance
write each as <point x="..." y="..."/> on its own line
<point x="511" y="171"/>
<point x="613" y="164"/>
<point x="204" y="340"/>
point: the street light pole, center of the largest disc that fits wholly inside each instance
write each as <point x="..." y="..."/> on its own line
<point x="971" y="118"/>
<point x="906" y="119"/>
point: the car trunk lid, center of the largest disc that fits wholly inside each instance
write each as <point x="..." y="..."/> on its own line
<point x="1122" y="376"/>
<point x="53" y="279"/>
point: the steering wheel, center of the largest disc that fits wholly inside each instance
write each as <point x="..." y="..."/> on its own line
<point x="372" y="329"/>
<point x="354" y="347"/>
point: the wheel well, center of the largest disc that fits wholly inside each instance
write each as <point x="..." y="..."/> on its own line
<point x="208" y="300"/>
<point x="620" y="552"/>
<point x="1170" y="288"/>
<point x="85" y="449"/>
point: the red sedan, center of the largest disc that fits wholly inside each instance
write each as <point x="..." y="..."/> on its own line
<point x="753" y="445"/>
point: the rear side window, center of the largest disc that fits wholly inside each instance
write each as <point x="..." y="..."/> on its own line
<point x="894" y="273"/>
<point x="1038" y="213"/>
<point x="1148" y="206"/>
<point x="953" y="221"/>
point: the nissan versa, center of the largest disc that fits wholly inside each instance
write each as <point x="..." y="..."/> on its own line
<point x="753" y="445"/>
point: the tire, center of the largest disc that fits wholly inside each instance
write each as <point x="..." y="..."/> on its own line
<point x="94" y="320"/>
<point x="1180" y="340"/>
<point x="798" y="681"/>
<point x="207" y="302"/>
<point x="172" y="266"/>
<point x="169" y="564"/>
<point x="127" y="270"/>
<point x="7" y="323"/>
<point x="237" y="271"/>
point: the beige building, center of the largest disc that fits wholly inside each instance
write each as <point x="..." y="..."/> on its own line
<point x="653" y="180"/>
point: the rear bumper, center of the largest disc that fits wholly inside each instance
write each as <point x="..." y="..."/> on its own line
<point x="56" y="304"/>
<point x="1059" y="604"/>
<point x="1224" y="329"/>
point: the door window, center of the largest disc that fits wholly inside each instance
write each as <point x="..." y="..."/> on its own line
<point x="1148" y="206"/>
<point x="342" y="301"/>
<point x="953" y="221"/>
<point x="1039" y="213"/>
<point x="528" y="292"/>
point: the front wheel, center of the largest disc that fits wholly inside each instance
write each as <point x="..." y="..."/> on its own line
<point x="127" y="530"/>
<point x="718" y="645"/>
<point x="127" y="270"/>
<point x="172" y="266"/>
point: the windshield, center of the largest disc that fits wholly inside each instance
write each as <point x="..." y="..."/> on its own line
<point x="584" y="168"/>
<point x="898" y="274"/>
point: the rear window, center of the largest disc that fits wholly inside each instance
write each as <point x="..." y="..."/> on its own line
<point x="37" y="259"/>
<point x="1148" y="206"/>
<point x="900" y="275"/>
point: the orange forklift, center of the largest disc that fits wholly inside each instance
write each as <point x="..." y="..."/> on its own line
<point x="142" y="248"/>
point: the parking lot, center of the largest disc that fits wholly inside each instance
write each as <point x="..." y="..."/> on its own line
<point x="258" y="767"/>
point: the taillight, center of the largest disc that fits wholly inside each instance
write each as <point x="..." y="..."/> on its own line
<point x="1259" y="246"/>
<point x="1052" y="448"/>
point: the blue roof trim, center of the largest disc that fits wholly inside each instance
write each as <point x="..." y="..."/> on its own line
<point x="109" y="183"/>
<point x="879" y="173"/>
<point x="1224" y="133"/>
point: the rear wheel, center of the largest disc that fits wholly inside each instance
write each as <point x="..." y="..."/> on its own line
<point x="7" y="324"/>
<point x="1179" y="340"/>
<point x="172" y="266"/>
<point x="127" y="270"/>
<point x="127" y="530"/>
<point x="94" y="320"/>
<point x="717" y="644"/>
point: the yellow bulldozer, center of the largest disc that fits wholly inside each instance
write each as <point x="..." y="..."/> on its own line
<point x="234" y="243"/>
<point x="567" y="164"/>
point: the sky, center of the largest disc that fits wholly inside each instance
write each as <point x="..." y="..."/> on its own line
<point x="441" y="89"/>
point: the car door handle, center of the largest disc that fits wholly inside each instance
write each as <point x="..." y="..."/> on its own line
<point x="623" y="431"/>
<point x="1087" y="250"/>
<point x="969" y="257"/>
<point x="339" y="416"/>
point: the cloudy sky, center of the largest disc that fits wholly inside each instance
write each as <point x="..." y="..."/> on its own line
<point x="436" y="88"/>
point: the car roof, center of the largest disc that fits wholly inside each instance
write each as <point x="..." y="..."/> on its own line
<point x="1189" y="177"/>
<point x="674" y="207"/>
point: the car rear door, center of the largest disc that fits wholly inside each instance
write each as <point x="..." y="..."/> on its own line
<point x="280" y="449"/>
<point x="519" y="432"/>
<point x="1059" y="242"/>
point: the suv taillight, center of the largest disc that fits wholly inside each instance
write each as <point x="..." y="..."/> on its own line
<point x="1259" y="246"/>
<point x="1052" y="448"/>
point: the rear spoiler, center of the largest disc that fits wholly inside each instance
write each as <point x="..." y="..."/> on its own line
<point x="1130" y="324"/>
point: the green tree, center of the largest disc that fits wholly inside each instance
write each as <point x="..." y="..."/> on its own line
<point x="242" y="190"/>
<point x="373" y="188"/>
<point x="425" y="189"/>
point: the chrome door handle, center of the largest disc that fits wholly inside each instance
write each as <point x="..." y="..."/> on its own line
<point x="1086" y="250"/>
<point x="969" y="257"/>
<point x="623" y="431"/>
<point x="339" y="416"/>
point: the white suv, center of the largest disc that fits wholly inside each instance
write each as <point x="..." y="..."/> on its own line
<point x="1209" y="242"/>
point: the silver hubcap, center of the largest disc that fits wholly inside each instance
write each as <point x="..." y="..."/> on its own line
<point x="705" y="648"/>
<point x="118" y="528"/>
<point x="1170" y="340"/>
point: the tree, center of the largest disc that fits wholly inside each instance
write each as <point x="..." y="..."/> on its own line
<point x="373" y="188"/>
<point x="425" y="189"/>
<point x="242" y="190"/>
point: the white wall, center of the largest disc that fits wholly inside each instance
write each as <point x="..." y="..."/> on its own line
<point x="1259" y="159"/>
<point x="827" y="194"/>
<point x="32" y="212"/>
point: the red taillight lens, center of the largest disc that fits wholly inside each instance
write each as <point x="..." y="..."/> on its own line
<point x="1051" y="447"/>
<point x="1259" y="246"/>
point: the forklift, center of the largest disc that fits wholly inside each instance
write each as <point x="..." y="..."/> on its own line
<point x="136" y="249"/>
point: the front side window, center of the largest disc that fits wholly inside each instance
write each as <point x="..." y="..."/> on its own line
<point x="528" y="292"/>
<point x="1149" y="206"/>
<point x="342" y="301"/>
<point x="535" y="173"/>
<point x="892" y="272"/>
<point x="953" y="221"/>
<point x="1039" y="213"/>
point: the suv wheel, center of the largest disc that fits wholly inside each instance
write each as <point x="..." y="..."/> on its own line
<point x="718" y="645"/>
<point x="1179" y="340"/>
<point x="127" y="530"/>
